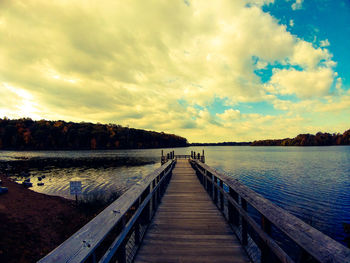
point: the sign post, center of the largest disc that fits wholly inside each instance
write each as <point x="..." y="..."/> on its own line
<point x="75" y="189"/>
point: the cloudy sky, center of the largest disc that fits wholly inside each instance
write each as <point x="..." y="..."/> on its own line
<point x="225" y="70"/>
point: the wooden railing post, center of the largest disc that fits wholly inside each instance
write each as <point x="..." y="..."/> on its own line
<point x="137" y="224"/>
<point x="121" y="253"/>
<point x="147" y="211"/>
<point x="162" y="158"/>
<point x="206" y="186"/>
<point x="266" y="256"/>
<point x="137" y="233"/>
<point x="233" y="213"/>
<point x="158" y="191"/>
<point x="154" y="199"/>
<point x="215" y="190"/>
<point x="204" y="176"/>
<point x="221" y="184"/>
<point x="210" y="184"/>
<point x="303" y="256"/>
<point x="244" y="224"/>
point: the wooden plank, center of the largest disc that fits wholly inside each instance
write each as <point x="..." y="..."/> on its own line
<point x="191" y="250"/>
<point x="188" y="259"/>
<point x="188" y="227"/>
<point x="317" y="244"/>
<point x="198" y="237"/>
<point x="82" y="244"/>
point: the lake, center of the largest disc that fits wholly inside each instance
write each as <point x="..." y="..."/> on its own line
<point x="312" y="183"/>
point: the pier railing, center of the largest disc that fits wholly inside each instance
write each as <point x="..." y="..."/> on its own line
<point x="171" y="155"/>
<point x="260" y="237"/>
<point x="116" y="233"/>
<point x="182" y="156"/>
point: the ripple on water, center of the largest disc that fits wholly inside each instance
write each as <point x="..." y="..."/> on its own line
<point x="312" y="183"/>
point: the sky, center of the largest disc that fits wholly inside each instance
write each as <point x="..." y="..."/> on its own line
<point x="211" y="71"/>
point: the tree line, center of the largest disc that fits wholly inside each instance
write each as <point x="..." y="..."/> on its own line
<point x="320" y="139"/>
<point x="27" y="134"/>
<point x="221" y="144"/>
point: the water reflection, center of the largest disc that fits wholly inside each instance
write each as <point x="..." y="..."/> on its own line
<point x="104" y="172"/>
<point x="312" y="183"/>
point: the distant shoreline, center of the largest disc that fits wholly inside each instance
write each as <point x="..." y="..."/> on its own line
<point x="28" y="135"/>
<point x="319" y="139"/>
<point x="160" y="148"/>
<point x="221" y="144"/>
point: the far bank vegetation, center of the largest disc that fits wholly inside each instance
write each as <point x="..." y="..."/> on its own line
<point x="27" y="134"/>
<point x="319" y="139"/>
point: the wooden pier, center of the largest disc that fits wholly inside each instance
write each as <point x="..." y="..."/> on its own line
<point x="188" y="227"/>
<point x="186" y="211"/>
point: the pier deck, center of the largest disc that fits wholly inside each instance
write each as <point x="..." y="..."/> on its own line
<point x="186" y="211"/>
<point x="188" y="227"/>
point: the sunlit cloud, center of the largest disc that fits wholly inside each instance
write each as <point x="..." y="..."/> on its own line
<point x="298" y="4"/>
<point x="161" y="65"/>
<point x="324" y="43"/>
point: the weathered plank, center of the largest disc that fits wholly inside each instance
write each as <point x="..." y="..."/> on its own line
<point x="84" y="242"/>
<point x="188" y="227"/>
<point x="314" y="242"/>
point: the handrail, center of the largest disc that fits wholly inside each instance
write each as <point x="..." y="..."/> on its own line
<point x="312" y="242"/>
<point x="127" y="216"/>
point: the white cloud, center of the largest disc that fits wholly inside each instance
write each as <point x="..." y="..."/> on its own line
<point x="324" y="43"/>
<point x="297" y="5"/>
<point x="305" y="55"/>
<point x="260" y="2"/>
<point x="338" y="105"/>
<point x="291" y="23"/>
<point x="339" y="84"/>
<point x="304" y="84"/>
<point x="229" y="115"/>
<point x="132" y="62"/>
<point x="261" y="64"/>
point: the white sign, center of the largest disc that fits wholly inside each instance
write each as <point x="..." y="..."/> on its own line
<point x="75" y="187"/>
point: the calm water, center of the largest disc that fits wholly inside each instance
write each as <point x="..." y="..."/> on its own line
<point x="312" y="183"/>
<point x="81" y="166"/>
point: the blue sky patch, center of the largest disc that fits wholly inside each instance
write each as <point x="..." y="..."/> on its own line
<point x="317" y="21"/>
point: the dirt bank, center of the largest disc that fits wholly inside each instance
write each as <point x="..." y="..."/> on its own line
<point x="33" y="224"/>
